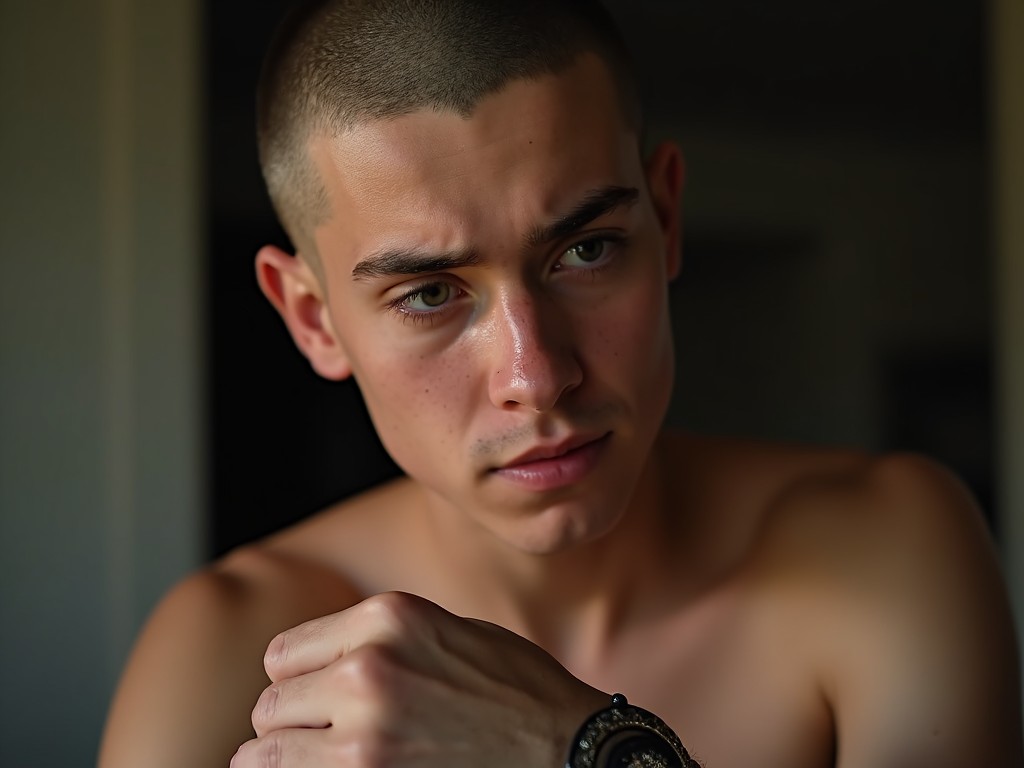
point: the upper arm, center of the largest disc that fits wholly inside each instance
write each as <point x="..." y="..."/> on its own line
<point x="926" y="669"/>
<point x="191" y="682"/>
<point x="187" y="693"/>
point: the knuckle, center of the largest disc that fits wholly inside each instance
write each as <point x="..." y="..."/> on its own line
<point x="272" y="755"/>
<point x="267" y="707"/>
<point x="277" y="653"/>
<point x="265" y="752"/>
<point x="391" y="610"/>
<point x="291" y="644"/>
<point x="368" y="669"/>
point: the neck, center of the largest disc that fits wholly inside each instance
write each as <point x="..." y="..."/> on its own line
<point x="575" y="602"/>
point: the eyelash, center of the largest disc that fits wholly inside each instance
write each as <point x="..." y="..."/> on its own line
<point x="419" y="316"/>
<point x="610" y="240"/>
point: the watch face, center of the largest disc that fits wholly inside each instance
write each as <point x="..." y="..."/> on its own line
<point x="624" y="736"/>
<point x="638" y="748"/>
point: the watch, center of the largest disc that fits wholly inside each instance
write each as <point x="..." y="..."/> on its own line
<point x="624" y="736"/>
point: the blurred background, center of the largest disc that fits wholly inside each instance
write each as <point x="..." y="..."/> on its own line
<point x="853" y="274"/>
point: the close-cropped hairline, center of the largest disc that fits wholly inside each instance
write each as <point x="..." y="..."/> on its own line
<point x="306" y="89"/>
<point x="318" y="211"/>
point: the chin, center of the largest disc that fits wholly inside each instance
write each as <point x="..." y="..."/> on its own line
<point x="559" y="529"/>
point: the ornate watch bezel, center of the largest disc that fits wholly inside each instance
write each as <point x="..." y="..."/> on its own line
<point x="602" y="727"/>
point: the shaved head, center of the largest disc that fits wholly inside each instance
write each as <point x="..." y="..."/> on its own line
<point x="335" y="63"/>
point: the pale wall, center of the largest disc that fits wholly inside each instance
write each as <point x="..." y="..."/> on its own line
<point x="100" y="312"/>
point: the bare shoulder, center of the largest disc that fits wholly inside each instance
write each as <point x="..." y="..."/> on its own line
<point x="197" y="669"/>
<point x="898" y="521"/>
<point x="827" y="507"/>
<point x="893" y="503"/>
<point x="894" y="582"/>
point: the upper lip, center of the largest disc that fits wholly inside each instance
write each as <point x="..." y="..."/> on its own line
<point x="553" y="451"/>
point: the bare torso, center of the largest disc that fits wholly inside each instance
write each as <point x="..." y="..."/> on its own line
<point x="769" y="638"/>
<point x="727" y="653"/>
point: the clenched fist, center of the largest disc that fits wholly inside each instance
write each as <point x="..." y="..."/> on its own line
<point x="398" y="681"/>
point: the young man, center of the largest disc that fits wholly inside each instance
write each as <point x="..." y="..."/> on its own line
<point x="481" y="244"/>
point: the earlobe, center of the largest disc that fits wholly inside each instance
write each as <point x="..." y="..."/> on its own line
<point x="290" y="285"/>
<point x="665" y="175"/>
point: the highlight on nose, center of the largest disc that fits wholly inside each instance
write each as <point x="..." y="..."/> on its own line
<point x="535" y="363"/>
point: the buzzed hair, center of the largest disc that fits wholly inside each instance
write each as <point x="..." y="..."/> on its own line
<point x="334" y="63"/>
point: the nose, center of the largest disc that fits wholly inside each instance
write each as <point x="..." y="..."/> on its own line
<point x="534" y="359"/>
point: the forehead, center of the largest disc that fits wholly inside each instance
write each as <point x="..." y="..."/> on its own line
<point x="524" y="154"/>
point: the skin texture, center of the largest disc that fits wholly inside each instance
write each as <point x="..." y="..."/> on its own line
<point x="534" y="347"/>
<point x="777" y="605"/>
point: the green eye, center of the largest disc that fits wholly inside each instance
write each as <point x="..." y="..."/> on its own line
<point x="429" y="297"/>
<point x="587" y="252"/>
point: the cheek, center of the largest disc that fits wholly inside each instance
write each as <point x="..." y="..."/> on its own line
<point x="630" y="339"/>
<point x="417" y="402"/>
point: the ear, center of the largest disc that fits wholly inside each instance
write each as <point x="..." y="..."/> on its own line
<point x="290" y="285"/>
<point x="665" y="173"/>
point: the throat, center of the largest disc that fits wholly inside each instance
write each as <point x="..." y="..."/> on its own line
<point x="578" y="602"/>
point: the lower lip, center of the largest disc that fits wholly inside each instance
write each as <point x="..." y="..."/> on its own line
<point x="558" y="472"/>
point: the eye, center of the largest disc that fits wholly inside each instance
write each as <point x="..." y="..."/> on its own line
<point x="428" y="298"/>
<point x="584" y="254"/>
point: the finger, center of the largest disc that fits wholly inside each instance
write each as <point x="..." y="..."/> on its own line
<point x="349" y="693"/>
<point x="289" y="703"/>
<point x="299" y="748"/>
<point x="317" y="643"/>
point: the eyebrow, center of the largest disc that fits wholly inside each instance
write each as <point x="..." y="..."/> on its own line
<point x="392" y="262"/>
<point x="411" y="261"/>
<point x="597" y="203"/>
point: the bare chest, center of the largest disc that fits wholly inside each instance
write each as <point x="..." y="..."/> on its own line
<point x="738" y="693"/>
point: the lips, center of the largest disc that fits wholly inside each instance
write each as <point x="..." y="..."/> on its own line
<point x="554" y="467"/>
<point x="552" y="452"/>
